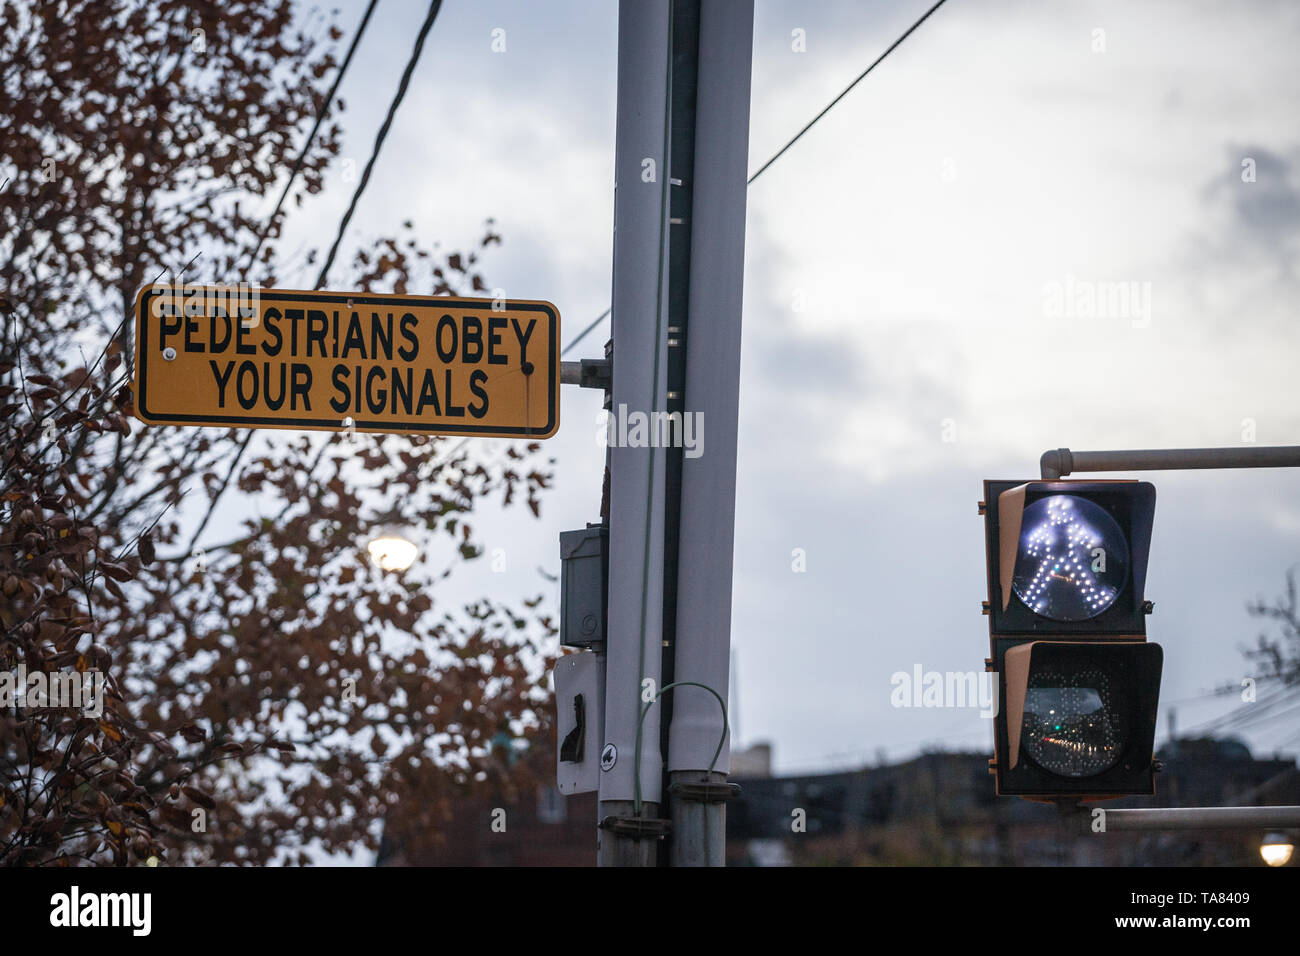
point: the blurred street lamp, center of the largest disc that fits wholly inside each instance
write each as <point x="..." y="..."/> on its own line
<point x="1276" y="849"/>
<point x="391" y="551"/>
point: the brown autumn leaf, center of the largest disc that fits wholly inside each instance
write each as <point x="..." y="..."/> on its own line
<point x="199" y="797"/>
<point x="115" y="571"/>
<point x="146" y="549"/>
<point x="193" y="733"/>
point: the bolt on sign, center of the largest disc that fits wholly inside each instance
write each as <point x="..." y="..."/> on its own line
<point x="280" y="358"/>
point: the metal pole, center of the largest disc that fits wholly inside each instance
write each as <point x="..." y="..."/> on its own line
<point x="627" y="833"/>
<point x="1059" y="462"/>
<point x="706" y="528"/>
<point x="1203" y="818"/>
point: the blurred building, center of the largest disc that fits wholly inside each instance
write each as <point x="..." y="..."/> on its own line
<point x="937" y="809"/>
<point x="755" y="761"/>
<point x="940" y="809"/>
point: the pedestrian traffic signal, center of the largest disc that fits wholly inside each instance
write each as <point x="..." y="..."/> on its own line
<point x="1078" y="684"/>
<point x="1068" y="557"/>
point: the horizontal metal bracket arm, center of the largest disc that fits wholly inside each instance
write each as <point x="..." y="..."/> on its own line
<point x="1059" y="462"/>
<point x="589" y="373"/>
<point x="1203" y="818"/>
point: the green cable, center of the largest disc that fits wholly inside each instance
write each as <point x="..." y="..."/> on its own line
<point x="640" y="726"/>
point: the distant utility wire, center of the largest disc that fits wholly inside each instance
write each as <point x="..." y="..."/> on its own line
<point x="781" y="152"/>
<point x="583" y="334"/>
<point x="320" y="118"/>
<point x="843" y="93"/>
<point x="1225" y="690"/>
<point x="434" y="7"/>
<point x="1239" y="717"/>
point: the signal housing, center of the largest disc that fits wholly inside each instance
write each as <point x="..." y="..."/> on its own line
<point x="1063" y="658"/>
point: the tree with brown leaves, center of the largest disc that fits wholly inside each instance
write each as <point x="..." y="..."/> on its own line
<point x="273" y="693"/>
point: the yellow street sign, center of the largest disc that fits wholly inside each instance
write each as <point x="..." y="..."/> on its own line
<point x="281" y="358"/>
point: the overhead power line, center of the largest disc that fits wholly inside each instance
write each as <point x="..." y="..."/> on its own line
<point x="781" y="152"/>
<point x="434" y="7"/>
<point x="311" y="136"/>
<point x="1225" y="690"/>
<point x="583" y="334"/>
<point x="845" y="92"/>
<point x="1265" y="708"/>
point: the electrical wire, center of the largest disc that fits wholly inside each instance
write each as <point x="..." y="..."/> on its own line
<point x="1245" y="714"/>
<point x="640" y="732"/>
<point x="640" y="727"/>
<point x="779" y="153"/>
<point x="266" y="229"/>
<point x="1227" y="690"/>
<point x="320" y="118"/>
<point x="434" y="7"/>
<point x="843" y="93"/>
<point x="1293" y="707"/>
<point x="583" y="334"/>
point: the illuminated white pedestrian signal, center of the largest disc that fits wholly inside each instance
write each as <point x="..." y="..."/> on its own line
<point x="1061" y="571"/>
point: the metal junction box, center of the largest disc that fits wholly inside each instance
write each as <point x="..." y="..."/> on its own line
<point x="582" y="586"/>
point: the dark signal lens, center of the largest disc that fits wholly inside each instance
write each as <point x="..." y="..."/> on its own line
<point x="1072" y="725"/>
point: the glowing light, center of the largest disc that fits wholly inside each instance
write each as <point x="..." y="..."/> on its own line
<point x="1054" y="571"/>
<point x="1276" y="850"/>
<point x="392" y="552"/>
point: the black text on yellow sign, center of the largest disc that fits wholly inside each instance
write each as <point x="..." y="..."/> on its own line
<point x="280" y="358"/>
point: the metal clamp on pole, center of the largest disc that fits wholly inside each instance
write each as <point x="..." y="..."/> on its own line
<point x="637" y="828"/>
<point x="704" y="792"/>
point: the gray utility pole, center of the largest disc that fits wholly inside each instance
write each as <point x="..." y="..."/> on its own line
<point x="698" y="753"/>
<point x="1054" y="465"/>
<point x="630" y="781"/>
<point x="680" y="166"/>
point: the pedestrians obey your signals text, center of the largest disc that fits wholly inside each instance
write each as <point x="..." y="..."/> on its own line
<point x="279" y="358"/>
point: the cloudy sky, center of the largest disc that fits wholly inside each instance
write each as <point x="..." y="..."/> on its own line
<point x="915" y="316"/>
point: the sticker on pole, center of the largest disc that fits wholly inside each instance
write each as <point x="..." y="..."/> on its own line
<point x="339" y="361"/>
